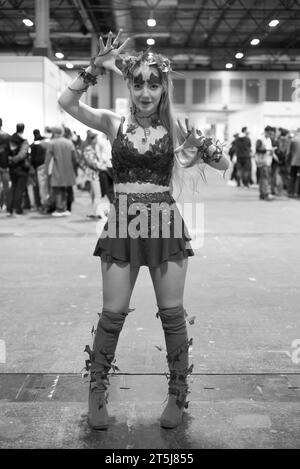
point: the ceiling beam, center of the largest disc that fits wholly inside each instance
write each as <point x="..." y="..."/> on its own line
<point x="192" y="30"/>
<point x="217" y="23"/>
<point x="238" y="26"/>
<point x="83" y="15"/>
<point x="218" y="52"/>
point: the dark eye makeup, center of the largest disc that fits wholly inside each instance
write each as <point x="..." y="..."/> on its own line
<point x="138" y="80"/>
<point x="153" y="80"/>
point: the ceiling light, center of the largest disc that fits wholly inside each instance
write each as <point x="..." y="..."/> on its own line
<point x="229" y="65"/>
<point x="151" y="22"/>
<point x="150" y="41"/>
<point x="273" y="23"/>
<point x="28" y="22"/>
<point x="239" y="55"/>
<point x="59" y="55"/>
<point x="69" y="65"/>
<point x="254" y="42"/>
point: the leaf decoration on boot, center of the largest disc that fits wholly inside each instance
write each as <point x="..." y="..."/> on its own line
<point x="115" y="368"/>
<point x="102" y="400"/>
<point x="176" y="354"/>
<point x="88" y="350"/>
<point x="84" y="373"/>
<point x="88" y="364"/>
<point x="192" y="320"/>
<point x="109" y="358"/>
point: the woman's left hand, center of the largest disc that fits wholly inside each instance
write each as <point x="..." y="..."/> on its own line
<point x="191" y="136"/>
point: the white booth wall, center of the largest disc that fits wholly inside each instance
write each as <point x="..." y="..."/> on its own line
<point x="29" y="90"/>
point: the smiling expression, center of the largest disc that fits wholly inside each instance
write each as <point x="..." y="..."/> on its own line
<point x="146" y="89"/>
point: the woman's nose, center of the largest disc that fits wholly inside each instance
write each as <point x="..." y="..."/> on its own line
<point x="145" y="91"/>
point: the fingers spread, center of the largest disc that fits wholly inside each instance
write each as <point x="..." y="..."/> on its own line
<point x="187" y="124"/>
<point x="101" y="43"/>
<point x="109" y="38"/>
<point x="116" y="40"/>
<point x="124" y="44"/>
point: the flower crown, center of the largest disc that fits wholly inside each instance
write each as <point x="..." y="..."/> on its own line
<point x="131" y="61"/>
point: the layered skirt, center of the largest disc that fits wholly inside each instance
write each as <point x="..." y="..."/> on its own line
<point x="144" y="229"/>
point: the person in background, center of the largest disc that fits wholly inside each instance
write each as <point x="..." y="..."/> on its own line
<point x="37" y="159"/>
<point x="282" y="151"/>
<point x="294" y="164"/>
<point x="232" y="154"/>
<point x="106" y="175"/>
<point x="70" y="192"/>
<point x="45" y="177"/>
<point x="61" y="157"/>
<point x="274" y="136"/>
<point x="242" y="147"/>
<point x="4" y="168"/>
<point x="19" y="167"/>
<point x="91" y="163"/>
<point x="264" y="157"/>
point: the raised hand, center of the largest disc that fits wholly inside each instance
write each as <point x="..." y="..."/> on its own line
<point x="108" y="54"/>
<point x="192" y="136"/>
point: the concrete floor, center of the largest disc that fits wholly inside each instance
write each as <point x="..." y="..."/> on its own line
<point x="243" y="288"/>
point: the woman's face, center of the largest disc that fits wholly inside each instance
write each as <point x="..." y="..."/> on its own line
<point x="146" y="89"/>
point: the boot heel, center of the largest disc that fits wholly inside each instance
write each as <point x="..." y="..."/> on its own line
<point x="172" y="414"/>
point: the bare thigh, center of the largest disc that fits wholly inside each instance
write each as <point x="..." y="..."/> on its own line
<point x="118" y="281"/>
<point x="168" y="282"/>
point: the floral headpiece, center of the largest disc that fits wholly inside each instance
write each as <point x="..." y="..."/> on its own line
<point x="132" y="61"/>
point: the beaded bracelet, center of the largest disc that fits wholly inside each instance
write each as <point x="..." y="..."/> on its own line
<point x="87" y="77"/>
<point x="215" y="156"/>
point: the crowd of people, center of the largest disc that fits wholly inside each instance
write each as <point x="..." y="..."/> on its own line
<point x="277" y="160"/>
<point x="41" y="175"/>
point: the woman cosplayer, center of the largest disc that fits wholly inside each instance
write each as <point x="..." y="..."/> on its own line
<point x="148" y="146"/>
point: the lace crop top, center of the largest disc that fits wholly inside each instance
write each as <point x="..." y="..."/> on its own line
<point x="154" y="166"/>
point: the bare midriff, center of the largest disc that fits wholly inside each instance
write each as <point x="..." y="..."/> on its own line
<point x="133" y="187"/>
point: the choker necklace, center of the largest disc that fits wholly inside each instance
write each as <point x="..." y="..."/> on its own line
<point x="144" y="117"/>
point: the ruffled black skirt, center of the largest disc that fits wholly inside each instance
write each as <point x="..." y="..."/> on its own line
<point x="144" y="229"/>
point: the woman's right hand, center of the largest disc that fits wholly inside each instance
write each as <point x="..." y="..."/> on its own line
<point x="108" y="54"/>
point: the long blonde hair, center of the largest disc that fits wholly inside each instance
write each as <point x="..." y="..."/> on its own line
<point x="184" y="159"/>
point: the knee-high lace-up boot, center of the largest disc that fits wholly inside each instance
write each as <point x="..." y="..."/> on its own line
<point x="101" y="357"/>
<point x="177" y="345"/>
